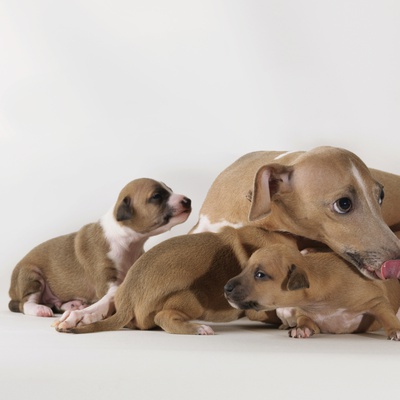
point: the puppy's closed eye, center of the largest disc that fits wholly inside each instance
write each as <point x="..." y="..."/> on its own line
<point x="158" y="196"/>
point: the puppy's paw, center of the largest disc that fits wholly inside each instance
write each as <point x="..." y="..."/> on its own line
<point x="205" y="330"/>
<point x="63" y="330"/>
<point x="73" y="318"/>
<point x="394" y="335"/>
<point x="301" y="332"/>
<point x="68" y="320"/>
<point x="37" y="310"/>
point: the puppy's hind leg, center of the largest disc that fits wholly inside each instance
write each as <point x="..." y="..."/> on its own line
<point x="177" y="312"/>
<point x="27" y="291"/>
<point x="174" y="321"/>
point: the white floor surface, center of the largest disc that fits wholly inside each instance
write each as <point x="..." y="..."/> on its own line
<point x="244" y="360"/>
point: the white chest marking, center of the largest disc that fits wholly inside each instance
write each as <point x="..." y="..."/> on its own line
<point x="126" y="245"/>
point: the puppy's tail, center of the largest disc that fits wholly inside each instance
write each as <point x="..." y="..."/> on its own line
<point x="13" y="306"/>
<point x="113" y="323"/>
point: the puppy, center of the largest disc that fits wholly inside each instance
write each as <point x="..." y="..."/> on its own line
<point x="182" y="279"/>
<point x="328" y="294"/>
<point x="326" y="194"/>
<point x="70" y="272"/>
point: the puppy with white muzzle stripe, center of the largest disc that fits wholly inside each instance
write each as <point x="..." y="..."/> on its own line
<point x="81" y="269"/>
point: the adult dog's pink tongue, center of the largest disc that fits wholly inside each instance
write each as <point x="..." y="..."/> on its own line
<point x="390" y="270"/>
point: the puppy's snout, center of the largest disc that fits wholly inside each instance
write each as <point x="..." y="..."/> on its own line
<point x="236" y="294"/>
<point x="230" y="286"/>
<point x="186" y="203"/>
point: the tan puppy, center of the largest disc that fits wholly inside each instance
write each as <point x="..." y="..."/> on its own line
<point x="328" y="294"/>
<point x="326" y="194"/>
<point x="182" y="279"/>
<point x="72" y="271"/>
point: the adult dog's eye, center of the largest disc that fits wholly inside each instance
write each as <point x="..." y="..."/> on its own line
<point x="343" y="205"/>
<point x="381" y="196"/>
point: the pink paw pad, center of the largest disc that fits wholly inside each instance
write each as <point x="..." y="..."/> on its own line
<point x="44" y="311"/>
<point x="300" y="333"/>
<point x="37" y="310"/>
<point x="205" y="330"/>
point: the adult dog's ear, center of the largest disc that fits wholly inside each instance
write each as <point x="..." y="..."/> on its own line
<point x="125" y="209"/>
<point x="297" y="279"/>
<point x="270" y="180"/>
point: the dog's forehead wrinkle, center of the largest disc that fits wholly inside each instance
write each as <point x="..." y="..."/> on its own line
<point x="326" y="165"/>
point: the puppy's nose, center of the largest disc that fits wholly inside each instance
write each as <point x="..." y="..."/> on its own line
<point x="186" y="202"/>
<point x="228" y="288"/>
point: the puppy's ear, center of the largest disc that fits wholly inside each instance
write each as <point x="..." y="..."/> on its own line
<point x="125" y="209"/>
<point x="270" y="180"/>
<point x="297" y="279"/>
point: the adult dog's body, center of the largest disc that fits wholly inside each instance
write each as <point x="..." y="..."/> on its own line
<point x="326" y="194"/>
<point x="70" y="272"/>
<point x="327" y="294"/>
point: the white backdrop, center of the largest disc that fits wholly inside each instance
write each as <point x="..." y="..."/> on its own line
<point x="96" y="93"/>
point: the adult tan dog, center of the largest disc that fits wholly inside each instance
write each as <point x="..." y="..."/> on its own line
<point x="326" y="194"/>
<point x="329" y="296"/>
<point x="69" y="272"/>
<point x="182" y="279"/>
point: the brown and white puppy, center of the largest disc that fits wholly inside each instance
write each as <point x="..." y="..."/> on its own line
<point x="70" y="272"/>
<point x="182" y="279"/>
<point x="326" y="194"/>
<point x="327" y="293"/>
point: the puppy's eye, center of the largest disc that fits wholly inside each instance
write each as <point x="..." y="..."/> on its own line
<point x="260" y="275"/>
<point x="381" y="197"/>
<point x="156" y="197"/>
<point x="159" y="194"/>
<point x="343" y="205"/>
